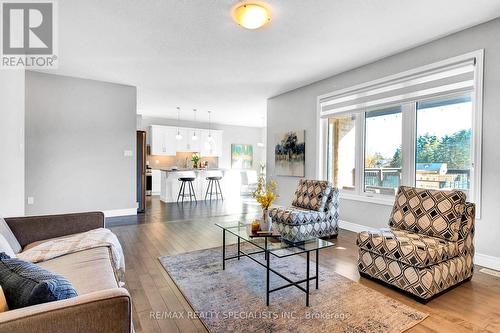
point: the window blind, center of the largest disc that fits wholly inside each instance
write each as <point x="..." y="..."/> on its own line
<point x="409" y="86"/>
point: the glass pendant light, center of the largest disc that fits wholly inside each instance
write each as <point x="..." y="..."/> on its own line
<point x="194" y="137"/>
<point x="178" y="136"/>
<point x="210" y="127"/>
<point x="208" y="143"/>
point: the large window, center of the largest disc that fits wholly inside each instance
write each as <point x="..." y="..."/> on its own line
<point x="444" y="141"/>
<point x="383" y="137"/>
<point x="441" y="151"/>
<point x="418" y="128"/>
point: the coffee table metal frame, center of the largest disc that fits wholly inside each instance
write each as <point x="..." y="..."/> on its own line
<point x="298" y="248"/>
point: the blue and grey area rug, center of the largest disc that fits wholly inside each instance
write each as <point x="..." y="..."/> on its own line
<point x="234" y="300"/>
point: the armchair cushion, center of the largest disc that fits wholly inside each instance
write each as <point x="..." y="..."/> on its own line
<point x="431" y="212"/>
<point x="421" y="282"/>
<point x="415" y="250"/>
<point x="312" y="194"/>
<point x="296" y="216"/>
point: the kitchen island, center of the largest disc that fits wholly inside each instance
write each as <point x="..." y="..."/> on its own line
<point x="170" y="183"/>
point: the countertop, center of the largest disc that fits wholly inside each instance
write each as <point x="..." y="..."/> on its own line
<point x="195" y="170"/>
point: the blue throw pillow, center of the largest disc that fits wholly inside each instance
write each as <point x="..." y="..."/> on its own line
<point x="26" y="284"/>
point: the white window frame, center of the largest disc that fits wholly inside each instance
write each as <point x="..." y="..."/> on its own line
<point x="409" y="134"/>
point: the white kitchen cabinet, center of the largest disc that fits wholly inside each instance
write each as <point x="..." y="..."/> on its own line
<point x="181" y="145"/>
<point x="187" y="144"/>
<point x="194" y="145"/>
<point x="156" y="140"/>
<point x="170" y="141"/>
<point x="211" y="146"/>
<point x="163" y="141"/>
<point x="156" y="182"/>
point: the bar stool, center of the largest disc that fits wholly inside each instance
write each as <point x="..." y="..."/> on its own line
<point x="213" y="178"/>
<point x="187" y="180"/>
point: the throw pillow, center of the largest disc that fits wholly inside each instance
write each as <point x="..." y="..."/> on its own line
<point x="9" y="236"/>
<point x="27" y="284"/>
<point x="3" y="302"/>
<point x="5" y="247"/>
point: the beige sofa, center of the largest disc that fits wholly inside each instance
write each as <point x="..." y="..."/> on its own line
<point x="101" y="305"/>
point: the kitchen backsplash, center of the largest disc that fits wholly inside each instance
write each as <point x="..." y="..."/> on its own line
<point x="181" y="161"/>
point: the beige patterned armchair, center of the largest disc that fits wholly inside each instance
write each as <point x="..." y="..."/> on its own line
<point x="428" y="247"/>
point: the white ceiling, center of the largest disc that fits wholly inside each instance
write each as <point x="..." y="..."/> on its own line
<point x="190" y="53"/>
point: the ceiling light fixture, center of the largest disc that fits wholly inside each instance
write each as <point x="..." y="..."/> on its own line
<point x="194" y="137"/>
<point x="251" y="15"/>
<point x="178" y="136"/>
<point x="209" y="126"/>
<point x="209" y="142"/>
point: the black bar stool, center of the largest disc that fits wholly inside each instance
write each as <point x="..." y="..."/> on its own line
<point x="214" y="181"/>
<point x="182" y="190"/>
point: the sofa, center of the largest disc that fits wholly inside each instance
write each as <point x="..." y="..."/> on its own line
<point x="101" y="305"/>
<point x="313" y="213"/>
<point x="428" y="247"/>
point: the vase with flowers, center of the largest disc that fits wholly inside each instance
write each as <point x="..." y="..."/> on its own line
<point x="265" y="196"/>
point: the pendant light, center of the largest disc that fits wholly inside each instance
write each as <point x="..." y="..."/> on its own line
<point x="194" y="137"/>
<point x="178" y="136"/>
<point x="208" y="143"/>
<point x="210" y="127"/>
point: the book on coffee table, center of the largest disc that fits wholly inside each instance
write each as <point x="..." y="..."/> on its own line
<point x="260" y="233"/>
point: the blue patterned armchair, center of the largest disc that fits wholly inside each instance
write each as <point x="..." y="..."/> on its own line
<point x="314" y="212"/>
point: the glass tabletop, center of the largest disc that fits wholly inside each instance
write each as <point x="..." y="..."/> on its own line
<point x="276" y="246"/>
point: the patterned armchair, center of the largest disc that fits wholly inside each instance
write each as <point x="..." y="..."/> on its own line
<point x="428" y="247"/>
<point x="314" y="212"/>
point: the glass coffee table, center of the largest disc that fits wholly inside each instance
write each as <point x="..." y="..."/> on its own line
<point x="271" y="244"/>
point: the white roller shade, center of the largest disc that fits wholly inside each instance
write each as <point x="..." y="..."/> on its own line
<point x="409" y="86"/>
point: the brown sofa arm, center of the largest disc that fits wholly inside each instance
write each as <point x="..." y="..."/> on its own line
<point x="30" y="229"/>
<point x="106" y="311"/>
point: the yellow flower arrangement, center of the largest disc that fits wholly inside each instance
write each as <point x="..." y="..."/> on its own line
<point x="264" y="194"/>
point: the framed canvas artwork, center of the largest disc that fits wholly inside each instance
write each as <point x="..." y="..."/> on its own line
<point x="241" y="156"/>
<point x="289" y="154"/>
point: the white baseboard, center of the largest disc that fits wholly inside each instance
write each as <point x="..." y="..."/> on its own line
<point x="354" y="226"/>
<point x="487" y="261"/>
<point x="120" y="212"/>
<point x="479" y="259"/>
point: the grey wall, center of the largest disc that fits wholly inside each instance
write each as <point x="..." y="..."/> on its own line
<point x="12" y="143"/>
<point x="231" y="134"/>
<point x="76" y="133"/>
<point x="297" y="110"/>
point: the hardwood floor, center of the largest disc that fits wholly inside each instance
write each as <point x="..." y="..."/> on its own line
<point x="471" y="307"/>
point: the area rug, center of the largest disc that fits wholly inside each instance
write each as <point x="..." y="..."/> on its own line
<point x="234" y="300"/>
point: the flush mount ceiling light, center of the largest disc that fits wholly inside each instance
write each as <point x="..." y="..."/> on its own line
<point x="251" y="15"/>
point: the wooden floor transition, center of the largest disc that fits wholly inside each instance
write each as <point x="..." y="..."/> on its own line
<point x="471" y="307"/>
